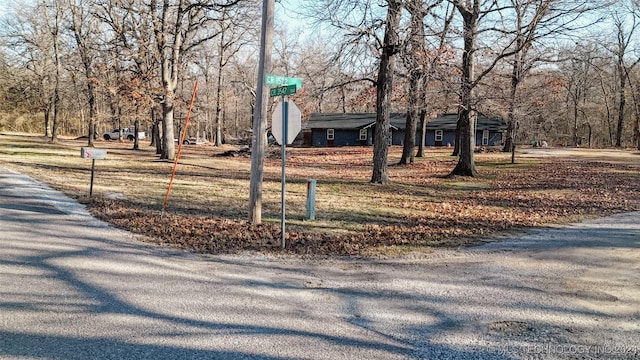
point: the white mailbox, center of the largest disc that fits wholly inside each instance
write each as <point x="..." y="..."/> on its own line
<point x="93" y="153"/>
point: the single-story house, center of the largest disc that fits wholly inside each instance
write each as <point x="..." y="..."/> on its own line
<point x="350" y="129"/>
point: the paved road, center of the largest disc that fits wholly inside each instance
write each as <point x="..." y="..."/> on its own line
<point x="72" y="287"/>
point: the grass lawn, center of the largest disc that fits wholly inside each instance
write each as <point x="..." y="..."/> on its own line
<point x="418" y="210"/>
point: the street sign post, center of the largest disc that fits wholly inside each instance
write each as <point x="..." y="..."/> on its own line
<point x="284" y="127"/>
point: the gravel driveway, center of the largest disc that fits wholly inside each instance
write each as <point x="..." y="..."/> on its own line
<point x="71" y="287"/>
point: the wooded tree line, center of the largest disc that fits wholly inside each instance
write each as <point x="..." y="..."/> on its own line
<point x="563" y="71"/>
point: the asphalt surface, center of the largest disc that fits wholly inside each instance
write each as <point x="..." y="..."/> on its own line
<point x="72" y="287"/>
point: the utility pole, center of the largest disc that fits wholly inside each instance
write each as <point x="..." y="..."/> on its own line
<point x="259" y="136"/>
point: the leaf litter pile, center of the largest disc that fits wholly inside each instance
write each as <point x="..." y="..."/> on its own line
<point x="418" y="209"/>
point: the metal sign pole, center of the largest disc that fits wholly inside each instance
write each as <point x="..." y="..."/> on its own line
<point x="285" y="115"/>
<point x="93" y="167"/>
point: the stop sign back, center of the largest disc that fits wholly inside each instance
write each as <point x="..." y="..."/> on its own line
<point x="294" y="123"/>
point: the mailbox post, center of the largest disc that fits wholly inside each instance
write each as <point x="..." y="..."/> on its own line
<point x="93" y="154"/>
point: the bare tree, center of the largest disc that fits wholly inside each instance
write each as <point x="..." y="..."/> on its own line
<point x="30" y="41"/>
<point x="37" y="42"/>
<point x="625" y="21"/>
<point x="415" y="61"/>
<point x="235" y="25"/>
<point x="422" y="64"/>
<point x="53" y="18"/>
<point x="179" y="26"/>
<point x="635" y="88"/>
<point x="471" y="12"/>
<point x="579" y="83"/>
<point x="507" y="41"/>
<point x="528" y="17"/>
<point x="132" y="40"/>
<point x="384" y="89"/>
<point x="84" y="28"/>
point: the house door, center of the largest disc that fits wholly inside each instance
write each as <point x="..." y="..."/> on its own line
<point x="438" y="138"/>
<point x="331" y="136"/>
<point x="362" y="140"/>
<point x="485" y="137"/>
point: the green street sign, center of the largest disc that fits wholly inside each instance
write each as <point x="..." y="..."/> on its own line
<point x="283" y="90"/>
<point x="278" y="80"/>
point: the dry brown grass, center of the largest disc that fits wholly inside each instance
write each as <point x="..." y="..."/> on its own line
<point x="419" y="209"/>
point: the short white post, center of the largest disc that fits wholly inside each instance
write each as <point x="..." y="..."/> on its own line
<point x="311" y="199"/>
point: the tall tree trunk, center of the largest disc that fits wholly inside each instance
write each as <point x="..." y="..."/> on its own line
<point x="413" y="112"/>
<point x="136" y="140"/>
<point x="576" y="141"/>
<point x="168" y="148"/>
<point x="423" y="132"/>
<point x="221" y="51"/>
<point x="524" y="35"/>
<point x="635" y="96"/>
<point x="456" y="145"/>
<point x="218" y="137"/>
<point x="58" y="72"/>
<point x="430" y="72"/>
<point x="170" y="62"/>
<point x="47" y="118"/>
<point x="170" y="82"/>
<point x="157" y="139"/>
<point x="621" y="101"/>
<point x="78" y="24"/>
<point x="91" y="97"/>
<point x="56" y="115"/>
<point x="416" y="60"/>
<point x="384" y="90"/>
<point x="467" y="113"/>
<point x="636" y="132"/>
<point x="516" y="77"/>
<point x="636" y="126"/>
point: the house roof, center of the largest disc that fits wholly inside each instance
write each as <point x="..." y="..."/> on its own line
<point x="351" y="120"/>
<point x="449" y="121"/>
<point x="446" y="121"/>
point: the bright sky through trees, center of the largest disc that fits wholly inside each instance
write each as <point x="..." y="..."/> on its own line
<point x="288" y="13"/>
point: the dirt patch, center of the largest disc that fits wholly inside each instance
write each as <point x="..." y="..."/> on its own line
<point x="510" y="328"/>
<point x="623" y="157"/>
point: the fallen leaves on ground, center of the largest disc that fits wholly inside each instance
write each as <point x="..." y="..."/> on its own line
<point x="511" y="198"/>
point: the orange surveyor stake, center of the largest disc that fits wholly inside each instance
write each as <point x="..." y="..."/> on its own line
<point x="184" y="132"/>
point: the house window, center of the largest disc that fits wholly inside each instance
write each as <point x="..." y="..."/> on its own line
<point x="485" y="137"/>
<point x="330" y="134"/>
<point x="363" y="134"/>
<point x="438" y="135"/>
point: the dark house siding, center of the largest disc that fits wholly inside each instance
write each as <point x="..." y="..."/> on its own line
<point x="448" y="138"/>
<point x="397" y="137"/>
<point x="342" y="137"/>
